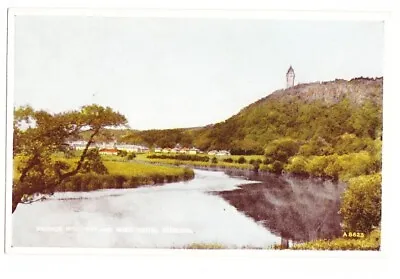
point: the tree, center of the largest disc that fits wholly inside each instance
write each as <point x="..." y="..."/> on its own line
<point x="281" y="150"/>
<point x="39" y="135"/>
<point x="361" y="203"/>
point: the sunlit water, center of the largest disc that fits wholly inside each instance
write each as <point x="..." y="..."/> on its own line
<point x="165" y="216"/>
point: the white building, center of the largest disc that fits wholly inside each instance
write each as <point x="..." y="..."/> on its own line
<point x="193" y="151"/>
<point x="223" y="153"/>
<point x="80" y="145"/>
<point x="132" y="148"/>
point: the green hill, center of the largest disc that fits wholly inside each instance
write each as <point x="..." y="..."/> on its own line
<point x="320" y="111"/>
<point x="307" y="111"/>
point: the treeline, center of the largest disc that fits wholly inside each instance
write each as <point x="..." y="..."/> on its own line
<point x="308" y="111"/>
<point x="253" y="130"/>
<point x="180" y="157"/>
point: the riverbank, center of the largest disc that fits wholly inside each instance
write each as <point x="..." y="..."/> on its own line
<point x="120" y="174"/>
<point x="204" y="161"/>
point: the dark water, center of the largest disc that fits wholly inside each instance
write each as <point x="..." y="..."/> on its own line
<point x="294" y="208"/>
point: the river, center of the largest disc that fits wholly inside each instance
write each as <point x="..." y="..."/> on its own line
<point x="234" y="209"/>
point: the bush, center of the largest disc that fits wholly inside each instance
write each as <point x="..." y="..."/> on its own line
<point x="131" y="156"/>
<point x="214" y="160"/>
<point x="122" y="153"/>
<point x="317" y="164"/>
<point x="316" y="147"/>
<point x="281" y="149"/>
<point x="228" y="160"/>
<point x="241" y="160"/>
<point x="275" y="167"/>
<point x="297" y="165"/>
<point x="361" y="203"/>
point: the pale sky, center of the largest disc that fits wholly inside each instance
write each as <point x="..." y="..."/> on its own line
<point x="170" y="73"/>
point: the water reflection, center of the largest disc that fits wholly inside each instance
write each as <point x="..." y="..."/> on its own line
<point x="234" y="209"/>
<point x="294" y="208"/>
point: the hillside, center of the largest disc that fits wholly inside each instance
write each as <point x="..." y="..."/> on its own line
<point x="324" y="110"/>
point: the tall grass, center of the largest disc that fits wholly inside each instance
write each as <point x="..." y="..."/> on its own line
<point x="120" y="175"/>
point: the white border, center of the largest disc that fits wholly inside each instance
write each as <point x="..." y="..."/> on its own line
<point x="347" y="259"/>
<point x="141" y="13"/>
<point x="189" y="13"/>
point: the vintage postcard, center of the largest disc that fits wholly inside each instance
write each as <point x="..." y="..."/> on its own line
<point x="194" y="130"/>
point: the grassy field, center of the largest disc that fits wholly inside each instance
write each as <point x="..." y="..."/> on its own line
<point x="219" y="163"/>
<point x="121" y="174"/>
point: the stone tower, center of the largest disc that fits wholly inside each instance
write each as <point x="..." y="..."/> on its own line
<point x="290" y="77"/>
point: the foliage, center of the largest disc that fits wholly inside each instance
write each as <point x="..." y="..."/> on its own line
<point x="118" y="175"/>
<point x="122" y="153"/>
<point x="241" y="160"/>
<point x="39" y="134"/>
<point x="325" y="118"/>
<point x="297" y="165"/>
<point x="181" y="157"/>
<point x="227" y="160"/>
<point x="361" y="203"/>
<point x="131" y="156"/>
<point x="281" y="150"/>
<point x="93" y="163"/>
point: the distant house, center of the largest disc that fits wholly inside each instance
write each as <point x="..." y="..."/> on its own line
<point x="212" y="152"/>
<point x="194" y="151"/>
<point x="80" y="145"/>
<point x="175" y="150"/>
<point x="157" y="150"/>
<point x="184" y="150"/>
<point x="178" y="146"/>
<point x="108" y="151"/>
<point x="166" y="150"/>
<point x="223" y="153"/>
<point x="132" y="148"/>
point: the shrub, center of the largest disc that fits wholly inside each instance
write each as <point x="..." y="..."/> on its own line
<point x="228" y="160"/>
<point x="275" y="167"/>
<point x="281" y="149"/>
<point x="297" y="165"/>
<point x="317" y="164"/>
<point x="122" y="153"/>
<point x="131" y="156"/>
<point x="361" y="203"/>
<point x="241" y="160"/>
